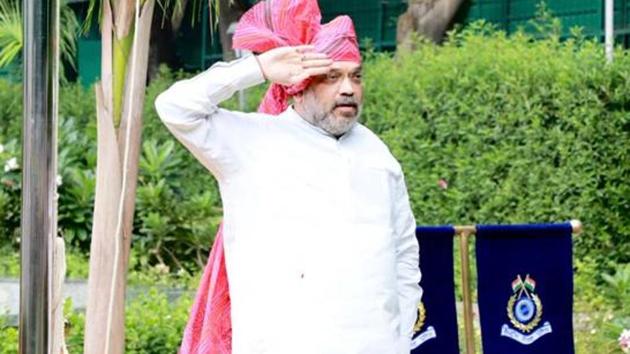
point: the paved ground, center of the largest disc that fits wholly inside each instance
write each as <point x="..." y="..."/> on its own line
<point x="74" y="289"/>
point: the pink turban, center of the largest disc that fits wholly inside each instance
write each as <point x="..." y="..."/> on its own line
<point x="278" y="23"/>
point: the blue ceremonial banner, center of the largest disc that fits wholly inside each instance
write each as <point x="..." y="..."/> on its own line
<point x="525" y="288"/>
<point x="436" y="328"/>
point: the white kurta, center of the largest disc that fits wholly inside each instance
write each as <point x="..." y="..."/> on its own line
<point x="320" y="247"/>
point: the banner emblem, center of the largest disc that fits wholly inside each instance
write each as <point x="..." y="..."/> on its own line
<point x="420" y="336"/>
<point x="525" y="310"/>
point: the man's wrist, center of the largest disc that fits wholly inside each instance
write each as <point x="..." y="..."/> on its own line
<point x="262" y="70"/>
<point x="248" y="73"/>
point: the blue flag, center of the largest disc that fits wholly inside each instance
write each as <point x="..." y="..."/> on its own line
<point x="525" y="289"/>
<point x="436" y="328"/>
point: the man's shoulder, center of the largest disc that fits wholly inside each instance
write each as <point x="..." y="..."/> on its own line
<point x="237" y="119"/>
<point x="372" y="144"/>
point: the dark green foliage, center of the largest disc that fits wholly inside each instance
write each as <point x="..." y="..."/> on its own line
<point x="154" y="324"/>
<point x="9" y="336"/>
<point x="522" y="131"/>
<point x="178" y="205"/>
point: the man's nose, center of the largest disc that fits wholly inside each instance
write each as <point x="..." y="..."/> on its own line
<point x="346" y="88"/>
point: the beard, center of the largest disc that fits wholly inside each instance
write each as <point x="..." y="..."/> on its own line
<point x="323" y="116"/>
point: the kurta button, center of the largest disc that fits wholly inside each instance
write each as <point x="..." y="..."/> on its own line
<point x="302" y="276"/>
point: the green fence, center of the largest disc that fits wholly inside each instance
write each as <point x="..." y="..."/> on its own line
<point x="510" y="15"/>
<point x="375" y="21"/>
<point x="622" y="21"/>
<point x="196" y="46"/>
<point x="88" y="48"/>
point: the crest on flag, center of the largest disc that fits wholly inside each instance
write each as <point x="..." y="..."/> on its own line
<point x="419" y="335"/>
<point x="525" y="310"/>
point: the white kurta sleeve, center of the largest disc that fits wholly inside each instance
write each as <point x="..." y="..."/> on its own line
<point x="189" y="108"/>
<point x="408" y="270"/>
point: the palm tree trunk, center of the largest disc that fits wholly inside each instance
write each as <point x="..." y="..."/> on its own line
<point x="428" y="18"/>
<point x="120" y="99"/>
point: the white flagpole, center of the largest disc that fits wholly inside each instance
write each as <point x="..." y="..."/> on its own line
<point x="609" y="29"/>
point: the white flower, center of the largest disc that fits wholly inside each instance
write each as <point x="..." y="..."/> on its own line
<point x="162" y="268"/>
<point x="11" y="165"/>
<point x="624" y="341"/>
<point x="59" y="180"/>
<point x="1" y="148"/>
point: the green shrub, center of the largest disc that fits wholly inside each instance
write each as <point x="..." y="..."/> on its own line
<point x="154" y="324"/>
<point x="617" y="288"/>
<point x="9" y="337"/>
<point x="178" y="207"/>
<point x="10" y="205"/>
<point x="522" y="131"/>
<point x="74" y="328"/>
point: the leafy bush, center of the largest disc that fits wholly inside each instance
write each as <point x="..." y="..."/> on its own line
<point x="9" y="337"/>
<point x="520" y="130"/>
<point x="617" y="288"/>
<point x="10" y="206"/>
<point x="178" y="207"/>
<point x="601" y="309"/>
<point x="154" y="325"/>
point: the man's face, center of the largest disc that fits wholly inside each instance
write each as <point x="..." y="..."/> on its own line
<point x="333" y="101"/>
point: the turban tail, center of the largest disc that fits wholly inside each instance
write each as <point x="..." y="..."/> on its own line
<point x="278" y="23"/>
<point x="269" y="24"/>
<point x="209" y="327"/>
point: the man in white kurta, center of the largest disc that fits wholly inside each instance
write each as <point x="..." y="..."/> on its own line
<point x="320" y="243"/>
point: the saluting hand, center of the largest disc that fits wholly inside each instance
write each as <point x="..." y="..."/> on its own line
<point x="291" y="65"/>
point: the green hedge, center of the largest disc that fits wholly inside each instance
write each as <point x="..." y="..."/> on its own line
<point x="522" y="131"/>
<point x="154" y="324"/>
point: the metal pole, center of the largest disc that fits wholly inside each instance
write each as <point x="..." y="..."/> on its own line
<point x="38" y="173"/>
<point x="468" y="313"/>
<point x="609" y="29"/>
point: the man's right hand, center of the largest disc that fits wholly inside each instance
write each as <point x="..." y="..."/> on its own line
<point x="291" y="65"/>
